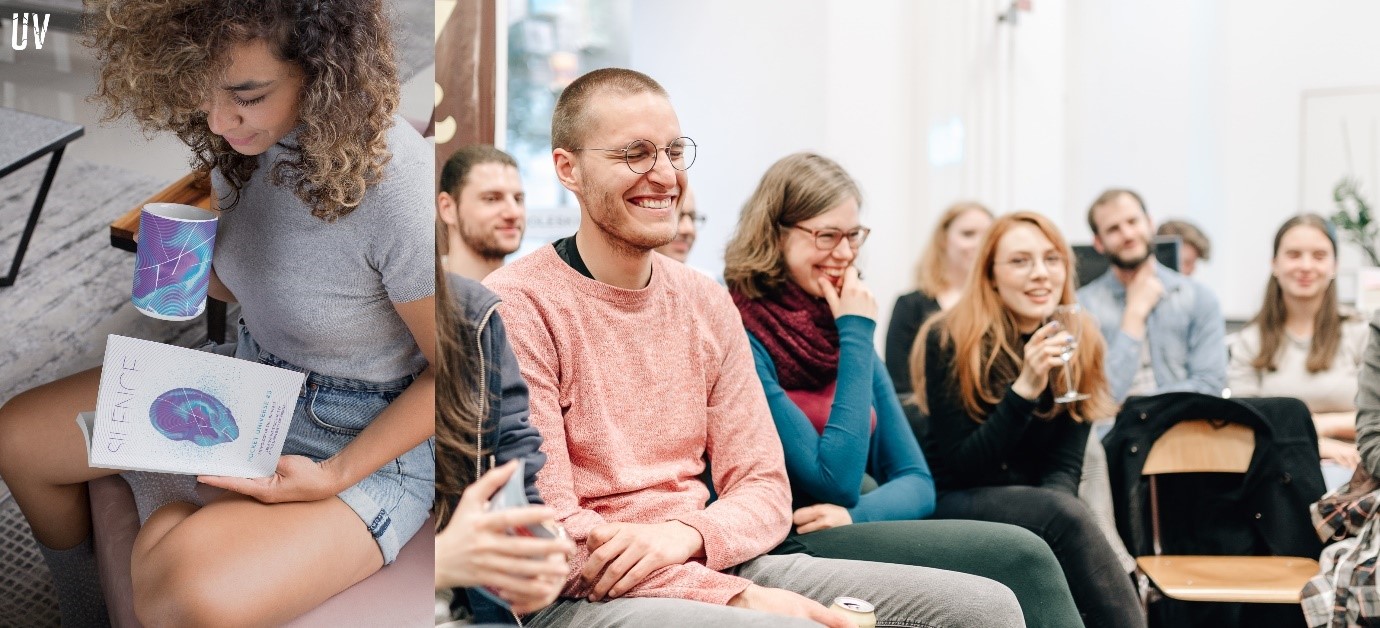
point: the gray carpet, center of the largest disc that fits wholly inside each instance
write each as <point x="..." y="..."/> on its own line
<point x="26" y="590"/>
<point x="74" y="287"/>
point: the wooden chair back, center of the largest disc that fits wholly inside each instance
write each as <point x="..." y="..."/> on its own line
<point x="1198" y="446"/>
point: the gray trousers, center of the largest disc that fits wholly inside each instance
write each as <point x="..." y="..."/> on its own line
<point x="905" y="596"/>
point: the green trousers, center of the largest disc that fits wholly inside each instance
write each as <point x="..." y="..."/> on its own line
<point x="1008" y="554"/>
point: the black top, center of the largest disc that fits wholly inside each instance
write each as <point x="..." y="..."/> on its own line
<point x="911" y="311"/>
<point x="1010" y="447"/>
<point x="570" y="254"/>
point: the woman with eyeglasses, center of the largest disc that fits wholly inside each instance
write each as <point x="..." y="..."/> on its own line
<point x="987" y="373"/>
<point x="857" y="475"/>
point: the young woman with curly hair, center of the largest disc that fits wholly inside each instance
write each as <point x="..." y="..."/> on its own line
<point x="481" y="428"/>
<point x="325" y="241"/>
<point x="987" y="372"/>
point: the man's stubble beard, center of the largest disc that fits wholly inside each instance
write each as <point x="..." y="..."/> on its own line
<point x="1132" y="264"/>
<point x="485" y="245"/>
<point x="608" y="214"/>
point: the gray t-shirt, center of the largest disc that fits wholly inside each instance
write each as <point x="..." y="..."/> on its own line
<point x="320" y="294"/>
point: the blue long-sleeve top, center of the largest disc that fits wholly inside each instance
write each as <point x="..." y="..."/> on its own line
<point x="828" y="467"/>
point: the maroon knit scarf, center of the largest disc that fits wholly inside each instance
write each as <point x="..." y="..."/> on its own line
<point x="799" y="333"/>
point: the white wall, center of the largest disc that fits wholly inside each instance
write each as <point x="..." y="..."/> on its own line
<point x="861" y="83"/>
<point x="745" y="79"/>
<point x="1197" y="105"/>
<point x="1194" y="104"/>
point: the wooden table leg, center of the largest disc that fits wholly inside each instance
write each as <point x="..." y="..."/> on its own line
<point x="8" y="280"/>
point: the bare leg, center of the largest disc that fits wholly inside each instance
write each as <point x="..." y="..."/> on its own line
<point x="43" y="459"/>
<point x="240" y="562"/>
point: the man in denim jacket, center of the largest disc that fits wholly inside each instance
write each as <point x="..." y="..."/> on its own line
<point x="1164" y="331"/>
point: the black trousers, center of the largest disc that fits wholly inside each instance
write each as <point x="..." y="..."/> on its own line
<point x="1100" y="588"/>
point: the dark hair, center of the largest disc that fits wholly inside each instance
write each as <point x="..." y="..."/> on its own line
<point x="456" y="172"/>
<point x="159" y="59"/>
<point x="1108" y="196"/>
<point x="458" y="405"/>
<point x="1327" y="325"/>
<point x="568" y="119"/>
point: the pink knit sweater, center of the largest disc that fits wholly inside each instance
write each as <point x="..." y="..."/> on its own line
<point x="632" y="391"/>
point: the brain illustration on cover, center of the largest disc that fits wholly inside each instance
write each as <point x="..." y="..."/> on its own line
<point x="193" y="415"/>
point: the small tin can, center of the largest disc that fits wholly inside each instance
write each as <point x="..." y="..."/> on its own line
<point x="861" y="612"/>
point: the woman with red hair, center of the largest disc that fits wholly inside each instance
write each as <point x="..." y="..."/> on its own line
<point x="999" y="446"/>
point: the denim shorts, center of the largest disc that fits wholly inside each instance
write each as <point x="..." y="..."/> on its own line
<point x="394" y="501"/>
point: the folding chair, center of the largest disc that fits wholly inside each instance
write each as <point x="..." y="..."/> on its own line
<point x="1197" y="446"/>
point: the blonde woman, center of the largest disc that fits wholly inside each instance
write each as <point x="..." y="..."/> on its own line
<point x="939" y="278"/>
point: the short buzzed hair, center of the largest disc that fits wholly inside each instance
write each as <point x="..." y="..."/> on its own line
<point x="1109" y="196"/>
<point x="457" y="169"/>
<point x="568" y="120"/>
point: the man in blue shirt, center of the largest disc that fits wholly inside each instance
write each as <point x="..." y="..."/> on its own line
<point x="1164" y="331"/>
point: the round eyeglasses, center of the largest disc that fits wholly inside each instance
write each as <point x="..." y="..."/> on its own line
<point x="641" y="155"/>
<point x="1025" y="264"/>
<point x="827" y="239"/>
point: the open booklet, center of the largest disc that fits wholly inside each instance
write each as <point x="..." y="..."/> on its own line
<point x="175" y="410"/>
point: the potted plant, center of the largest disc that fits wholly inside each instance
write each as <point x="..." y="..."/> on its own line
<point x="1354" y="219"/>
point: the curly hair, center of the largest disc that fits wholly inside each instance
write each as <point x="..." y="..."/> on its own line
<point x="159" y="60"/>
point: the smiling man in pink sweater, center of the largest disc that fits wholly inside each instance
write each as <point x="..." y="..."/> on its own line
<point x="641" y="378"/>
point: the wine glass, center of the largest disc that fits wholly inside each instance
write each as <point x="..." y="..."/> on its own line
<point x="1070" y="318"/>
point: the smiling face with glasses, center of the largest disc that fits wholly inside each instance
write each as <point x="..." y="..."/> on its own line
<point x="629" y="187"/>
<point x="1029" y="273"/>
<point x="823" y="246"/>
